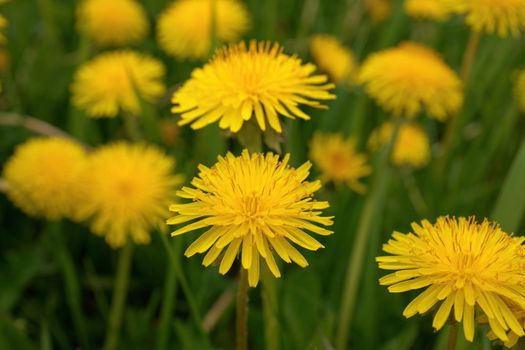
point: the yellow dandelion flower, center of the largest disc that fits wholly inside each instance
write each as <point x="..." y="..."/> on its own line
<point x="436" y="10"/>
<point x="410" y="77"/>
<point x="520" y="89"/>
<point x="338" y="160"/>
<point x="112" y="23"/>
<point x="256" y="201"/>
<point x="379" y="10"/>
<point x="110" y="83"/>
<point x="513" y="338"/>
<point x="4" y="60"/>
<point x="463" y="265"/>
<point x="184" y="29"/>
<point x="241" y="82"/>
<point x="128" y="188"/>
<point x="412" y="146"/>
<point x="503" y="17"/>
<point x="333" y="58"/>
<point x="43" y="175"/>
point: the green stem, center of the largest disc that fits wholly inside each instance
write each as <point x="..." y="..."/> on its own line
<point x="452" y="336"/>
<point x="192" y="302"/>
<point x="170" y="293"/>
<point x="269" y="303"/>
<point x="371" y="214"/>
<point x="71" y="283"/>
<point x="470" y="54"/>
<point x="119" y="296"/>
<point x="131" y="124"/>
<point x="242" y="311"/>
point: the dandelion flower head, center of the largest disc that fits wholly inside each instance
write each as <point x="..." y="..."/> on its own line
<point x="254" y="204"/>
<point x="503" y="17"/>
<point x="463" y="265"/>
<point x="112" y="23"/>
<point x="379" y="10"/>
<point x="436" y="10"/>
<point x="333" y="58"/>
<point x="111" y="82"/>
<point x="128" y="188"/>
<point x="43" y="176"/>
<point x="242" y="82"/>
<point x="339" y="160"/>
<point x="185" y="28"/>
<point x="408" y="78"/>
<point x="412" y="146"/>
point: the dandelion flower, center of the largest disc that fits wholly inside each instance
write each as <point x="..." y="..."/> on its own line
<point x="254" y="201"/>
<point x="463" y="265"/>
<point x="43" y="175"/>
<point x="436" y="10"/>
<point x="410" y="77"/>
<point x="185" y="28"/>
<point x="513" y="338"/>
<point x="338" y="160"/>
<point x="333" y="58"/>
<point x="3" y="25"/>
<point x="520" y="89"/>
<point x="128" y="188"/>
<point x="112" y="23"/>
<point x="379" y="10"/>
<point x="503" y="17"/>
<point x="110" y="82"/>
<point x="412" y="146"/>
<point x="241" y="82"/>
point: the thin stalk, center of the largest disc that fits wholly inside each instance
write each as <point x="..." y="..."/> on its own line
<point x="71" y="283"/>
<point x="32" y="124"/>
<point x="119" y="296"/>
<point x="269" y="300"/>
<point x="371" y="213"/>
<point x="414" y="193"/>
<point x="469" y="55"/>
<point x="241" y="335"/>
<point x="452" y="336"/>
<point x="192" y="302"/>
<point x="168" y="302"/>
<point x="131" y="124"/>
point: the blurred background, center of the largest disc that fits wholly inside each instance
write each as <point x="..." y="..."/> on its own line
<point x="41" y="53"/>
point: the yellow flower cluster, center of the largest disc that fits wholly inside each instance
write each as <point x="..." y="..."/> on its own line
<point x="339" y="161"/>
<point x="254" y="204"/>
<point x="122" y="189"/>
<point x="465" y="266"/>
<point x="116" y="81"/>
<point x="408" y="78"/>
<point x="436" y="10"/>
<point x="242" y="81"/>
<point x="184" y="29"/>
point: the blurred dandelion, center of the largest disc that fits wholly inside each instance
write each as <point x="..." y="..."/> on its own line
<point x="117" y="81"/>
<point x="519" y="89"/>
<point x="339" y="160"/>
<point x="112" y="23"/>
<point x="503" y="17"/>
<point x="436" y="10"/>
<point x="412" y="146"/>
<point x="184" y="29"/>
<point x="43" y="177"/>
<point x="333" y="58"/>
<point x="464" y="265"/>
<point x="255" y="201"/>
<point x="379" y="10"/>
<point x="405" y="79"/>
<point x="241" y="82"/>
<point x="127" y="188"/>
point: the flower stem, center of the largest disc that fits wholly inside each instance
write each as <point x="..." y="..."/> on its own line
<point x="119" y="296"/>
<point x="470" y="54"/>
<point x="452" y="336"/>
<point x="71" y="284"/>
<point x="242" y="311"/>
<point x="269" y="300"/>
<point x="371" y="213"/>
<point x="170" y="293"/>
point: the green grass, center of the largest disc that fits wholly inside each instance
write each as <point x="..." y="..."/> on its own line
<point x="483" y="174"/>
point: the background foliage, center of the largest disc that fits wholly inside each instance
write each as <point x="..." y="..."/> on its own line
<point x="44" y="51"/>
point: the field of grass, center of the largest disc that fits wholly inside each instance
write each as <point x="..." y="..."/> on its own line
<point x="59" y="282"/>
